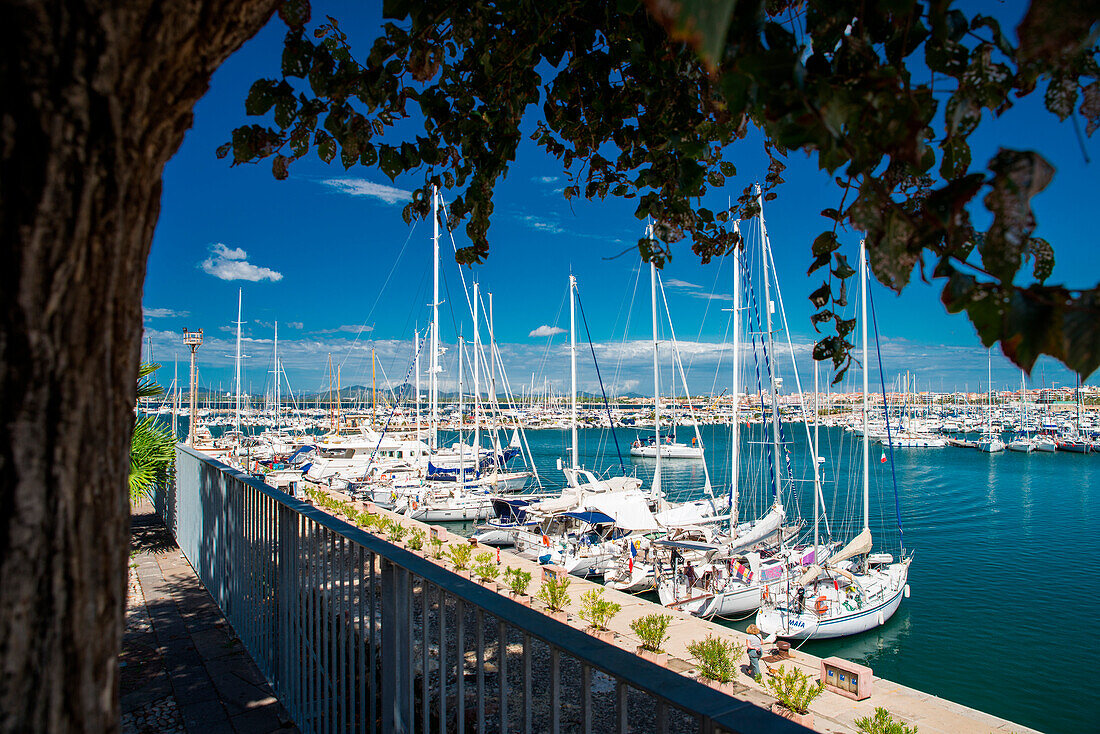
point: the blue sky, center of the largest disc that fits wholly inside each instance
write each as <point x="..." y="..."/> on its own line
<point x="327" y="255"/>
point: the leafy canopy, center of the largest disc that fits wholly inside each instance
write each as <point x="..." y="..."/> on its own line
<point x="652" y="101"/>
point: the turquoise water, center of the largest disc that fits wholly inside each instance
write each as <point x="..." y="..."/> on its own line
<point x="1000" y="613"/>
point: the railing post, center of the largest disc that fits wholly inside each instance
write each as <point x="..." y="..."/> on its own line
<point x="285" y="596"/>
<point x="397" y="705"/>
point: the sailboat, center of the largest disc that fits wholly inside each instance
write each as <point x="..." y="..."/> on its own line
<point x="990" y="441"/>
<point x="728" y="574"/>
<point x="664" y="447"/>
<point x="1022" y="440"/>
<point x="852" y="590"/>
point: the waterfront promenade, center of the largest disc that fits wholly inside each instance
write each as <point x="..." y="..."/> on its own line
<point x="832" y="712"/>
<point x="182" y="668"/>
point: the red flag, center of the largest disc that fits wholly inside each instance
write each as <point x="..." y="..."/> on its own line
<point x="883" y="459"/>
<point x="498" y="556"/>
<point x="630" y="561"/>
<point x="836" y="585"/>
<point x="545" y="540"/>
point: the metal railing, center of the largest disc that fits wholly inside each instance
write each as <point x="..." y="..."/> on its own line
<point x="357" y="634"/>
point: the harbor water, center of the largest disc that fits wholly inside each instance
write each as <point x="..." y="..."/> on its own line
<point x="1000" y="616"/>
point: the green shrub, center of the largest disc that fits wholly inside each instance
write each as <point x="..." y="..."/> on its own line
<point x="460" y="556"/>
<point x="416" y="539"/>
<point x="486" y="567"/>
<point x="596" y="610"/>
<point x="794" y="690"/>
<point x="554" y="593"/>
<point x="517" y="580"/>
<point x="437" y="547"/>
<point x="382" y="524"/>
<point x="717" y="657"/>
<point x="883" y="723"/>
<point x="652" y="630"/>
<point x="397" y="531"/>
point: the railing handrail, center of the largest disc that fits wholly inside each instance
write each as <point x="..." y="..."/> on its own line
<point x="679" y="691"/>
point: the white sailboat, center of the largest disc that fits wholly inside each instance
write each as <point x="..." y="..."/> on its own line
<point x="726" y="575"/>
<point x="990" y="441"/>
<point x="853" y="590"/>
<point x="665" y="447"/>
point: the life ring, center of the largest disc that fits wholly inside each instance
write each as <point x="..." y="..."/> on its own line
<point x="821" y="606"/>
<point x="385" y="477"/>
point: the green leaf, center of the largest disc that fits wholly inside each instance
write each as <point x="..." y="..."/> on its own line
<point x="295" y="13"/>
<point x="279" y="167"/>
<point x="260" y="97"/>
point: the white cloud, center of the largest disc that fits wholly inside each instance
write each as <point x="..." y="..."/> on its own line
<point x="295" y="325"/>
<point x="545" y="179"/>
<point x="363" y="187"/>
<point x="232" y="264"/>
<point x="163" y="313"/>
<point x="347" y="328"/>
<point x="547" y="330"/>
<point x="674" y="283"/>
<point x="542" y="225"/>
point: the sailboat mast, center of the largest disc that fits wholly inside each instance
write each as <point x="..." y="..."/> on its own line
<point x="239" y="360"/>
<point x="434" y="362"/>
<point x="573" y="362"/>
<point x="773" y="388"/>
<point x="656" y="378"/>
<point x="817" y="469"/>
<point x="277" y="396"/>
<point x="416" y="359"/>
<point x="461" y="416"/>
<point x="866" y="438"/>
<point x="735" y="428"/>
<point x="477" y="384"/>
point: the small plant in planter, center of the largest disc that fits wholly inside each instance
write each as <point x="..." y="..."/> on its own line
<point x="652" y="630"/>
<point x="794" y="692"/>
<point x="717" y="658"/>
<point x="486" y="568"/>
<point x="381" y="524"/>
<point x="397" y="531"/>
<point x="883" y="723"/>
<point x="437" y="547"/>
<point x="460" y="556"/>
<point x="598" y="611"/>
<point x="416" y="539"/>
<point x="517" y="580"/>
<point x="555" y="594"/>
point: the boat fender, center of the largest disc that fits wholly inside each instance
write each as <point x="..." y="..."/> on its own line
<point x="821" y="606"/>
<point x="907" y="591"/>
<point x="881" y="620"/>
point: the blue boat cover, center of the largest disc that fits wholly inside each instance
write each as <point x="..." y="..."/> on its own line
<point x="594" y="518"/>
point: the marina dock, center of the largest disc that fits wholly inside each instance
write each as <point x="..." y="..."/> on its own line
<point x="832" y="712"/>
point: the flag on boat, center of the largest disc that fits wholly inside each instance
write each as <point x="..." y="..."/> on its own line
<point x="545" y="540"/>
<point x="883" y="459"/>
<point x="633" y="553"/>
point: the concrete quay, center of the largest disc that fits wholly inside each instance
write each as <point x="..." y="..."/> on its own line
<point x="832" y="712"/>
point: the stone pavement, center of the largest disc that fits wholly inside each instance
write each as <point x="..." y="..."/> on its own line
<point x="182" y="669"/>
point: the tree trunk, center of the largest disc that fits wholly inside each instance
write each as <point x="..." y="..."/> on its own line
<point x="97" y="96"/>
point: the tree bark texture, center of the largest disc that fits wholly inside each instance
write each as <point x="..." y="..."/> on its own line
<point x="97" y="95"/>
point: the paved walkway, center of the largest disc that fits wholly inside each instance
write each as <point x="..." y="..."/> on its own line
<point x="182" y="669"/>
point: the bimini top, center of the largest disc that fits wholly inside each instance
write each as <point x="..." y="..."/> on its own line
<point x="593" y="518"/>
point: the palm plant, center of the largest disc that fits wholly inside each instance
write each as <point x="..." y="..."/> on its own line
<point x="152" y="445"/>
